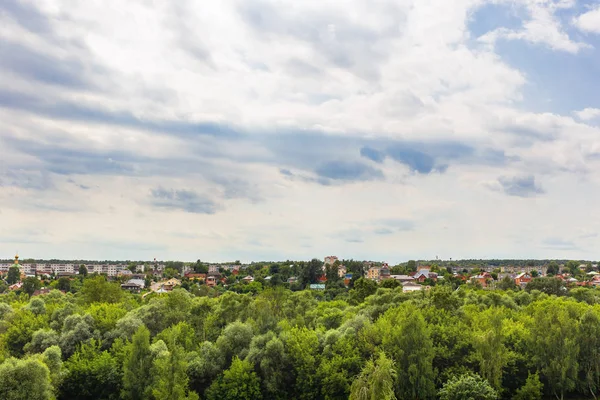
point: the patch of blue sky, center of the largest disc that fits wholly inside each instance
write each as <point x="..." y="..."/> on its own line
<point x="557" y="81"/>
<point x="490" y="17"/>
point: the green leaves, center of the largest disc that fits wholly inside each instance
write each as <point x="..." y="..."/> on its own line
<point x="376" y="380"/>
<point x="471" y="387"/>
<point x="25" y="379"/>
<point x="239" y="382"/>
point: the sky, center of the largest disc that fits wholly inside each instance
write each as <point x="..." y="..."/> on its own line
<point x="272" y="129"/>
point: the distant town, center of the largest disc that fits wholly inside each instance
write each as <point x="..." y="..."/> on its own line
<point x="163" y="276"/>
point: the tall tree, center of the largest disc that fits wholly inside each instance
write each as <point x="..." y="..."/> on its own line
<point x="83" y="271"/>
<point x="30" y="285"/>
<point x="554" y="345"/>
<point x="548" y="284"/>
<point x="169" y="371"/>
<point x="406" y="338"/>
<point x="267" y="352"/>
<point x="13" y="276"/>
<point x="239" y="382"/>
<point x="98" y="289"/>
<point x="311" y="272"/>
<point x="91" y="374"/>
<point x="532" y="390"/>
<point x="25" y="379"/>
<point x="303" y="350"/>
<point x="137" y="366"/>
<point x="64" y="284"/>
<point x="411" y="265"/>
<point x="589" y="355"/>
<point x="52" y="357"/>
<point x="489" y="346"/>
<point x="363" y="288"/>
<point x="376" y="380"/>
<point x="552" y="268"/>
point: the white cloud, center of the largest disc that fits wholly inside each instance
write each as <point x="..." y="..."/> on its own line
<point x="543" y="27"/>
<point x="588" y="113"/>
<point x="203" y="103"/>
<point x="589" y="21"/>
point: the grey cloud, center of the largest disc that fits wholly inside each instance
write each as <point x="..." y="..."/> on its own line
<point x="372" y="154"/>
<point x="393" y="225"/>
<point x="70" y="161"/>
<point x="26" y="179"/>
<point x="235" y="188"/>
<point x="558" y="244"/>
<point x="35" y="65"/>
<point x="528" y="133"/>
<point x="79" y="185"/>
<point x="185" y="200"/>
<point x="289" y="148"/>
<point x="26" y="15"/>
<point x="431" y="156"/>
<point x="317" y="156"/>
<point x="348" y="171"/>
<point x="297" y="67"/>
<point x="414" y="159"/>
<point x="79" y="112"/>
<point x="520" y="186"/>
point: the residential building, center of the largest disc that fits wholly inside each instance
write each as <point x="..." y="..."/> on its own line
<point x="384" y="272"/>
<point x="482" y="279"/>
<point x="43" y="269"/>
<point x="523" y="278"/>
<point x="134" y="285"/>
<point x="173" y="282"/>
<point x="213" y="269"/>
<point x="403" y="278"/>
<point x="423" y="274"/>
<point x="64" y="268"/>
<point x="193" y="275"/>
<point x="342" y="271"/>
<point x="373" y="273"/>
<point x="330" y="260"/>
<point x="411" y="287"/>
<point x="211" y="280"/>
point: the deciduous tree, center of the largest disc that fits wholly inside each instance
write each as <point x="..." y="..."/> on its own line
<point x="376" y="380"/>
<point x="25" y="379"/>
<point x="137" y="366"/>
<point x="470" y="387"/>
<point x="239" y="382"/>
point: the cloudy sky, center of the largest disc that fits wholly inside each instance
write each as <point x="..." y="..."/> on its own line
<point x="274" y="129"/>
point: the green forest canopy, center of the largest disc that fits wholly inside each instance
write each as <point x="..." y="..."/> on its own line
<point x="103" y="343"/>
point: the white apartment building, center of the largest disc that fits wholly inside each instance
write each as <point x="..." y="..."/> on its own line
<point x="64" y="268"/>
<point x="213" y="268"/>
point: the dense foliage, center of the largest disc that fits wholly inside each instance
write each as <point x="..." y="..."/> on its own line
<point x="369" y="342"/>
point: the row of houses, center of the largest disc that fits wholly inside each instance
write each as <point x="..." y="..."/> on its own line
<point x="73" y="269"/>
